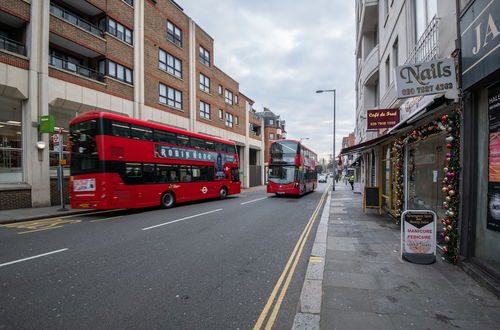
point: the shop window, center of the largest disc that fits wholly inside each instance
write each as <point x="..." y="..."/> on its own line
<point x="11" y="160"/>
<point x="425" y="163"/>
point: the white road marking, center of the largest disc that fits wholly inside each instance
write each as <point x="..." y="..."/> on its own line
<point x="254" y="200"/>
<point x="182" y="219"/>
<point x="29" y="258"/>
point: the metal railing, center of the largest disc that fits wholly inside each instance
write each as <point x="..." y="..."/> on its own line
<point x="12" y="46"/>
<point x="72" y="18"/>
<point x="427" y="46"/>
<point x="78" y="69"/>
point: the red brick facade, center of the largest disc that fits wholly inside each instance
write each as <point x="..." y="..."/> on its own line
<point x="155" y="38"/>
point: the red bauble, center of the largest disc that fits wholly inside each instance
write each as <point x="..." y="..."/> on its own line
<point x="452" y="174"/>
<point x="444" y="182"/>
<point x="444" y="118"/>
<point x="445" y="249"/>
<point x="443" y="220"/>
<point x="449" y="146"/>
<point x="446" y="206"/>
<point x="445" y="189"/>
<point x="448" y="222"/>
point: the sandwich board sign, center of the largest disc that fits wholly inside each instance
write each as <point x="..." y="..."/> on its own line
<point x="418" y="236"/>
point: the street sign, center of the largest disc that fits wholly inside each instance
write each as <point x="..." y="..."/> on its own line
<point x="418" y="236"/>
<point x="57" y="141"/>
<point x="47" y="124"/>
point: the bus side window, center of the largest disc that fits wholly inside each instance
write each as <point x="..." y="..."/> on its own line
<point x="149" y="176"/>
<point x="185" y="173"/>
<point x="142" y="133"/>
<point x="210" y="145"/>
<point x="120" y="129"/>
<point x="133" y="173"/>
<point x="197" y="143"/>
<point x="207" y="173"/>
<point x="165" y="137"/>
<point x="196" y="173"/>
<point x="182" y="140"/>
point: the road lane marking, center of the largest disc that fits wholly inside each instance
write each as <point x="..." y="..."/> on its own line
<point x="287" y="273"/>
<point x="254" y="200"/>
<point x="29" y="258"/>
<point x="39" y="225"/>
<point x="182" y="219"/>
<point x="97" y="220"/>
<point x="315" y="259"/>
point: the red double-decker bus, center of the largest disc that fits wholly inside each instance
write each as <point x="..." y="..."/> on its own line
<point x="292" y="168"/>
<point x="120" y="162"/>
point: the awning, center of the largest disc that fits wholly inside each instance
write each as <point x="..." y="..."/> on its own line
<point x="366" y="144"/>
<point x="417" y="107"/>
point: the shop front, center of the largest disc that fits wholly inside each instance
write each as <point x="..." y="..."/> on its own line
<point x="481" y="140"/>
<point x="427" y="167"/>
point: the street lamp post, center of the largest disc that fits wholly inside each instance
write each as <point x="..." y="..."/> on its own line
<point x="334" y="161"/>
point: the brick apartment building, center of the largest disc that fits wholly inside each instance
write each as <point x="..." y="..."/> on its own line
<point x="144" y="59"/>
<point x="274" y="129"/>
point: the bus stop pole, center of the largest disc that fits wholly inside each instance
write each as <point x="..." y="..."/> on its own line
<point x="60" y="172"/>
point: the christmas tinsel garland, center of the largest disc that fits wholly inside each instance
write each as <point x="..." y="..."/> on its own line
<point x="451" y="125"/>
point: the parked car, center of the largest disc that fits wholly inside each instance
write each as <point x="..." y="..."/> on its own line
<point x="322" y="178"/>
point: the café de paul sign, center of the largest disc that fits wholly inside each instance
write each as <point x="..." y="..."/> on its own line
<point x="425" y="78"/>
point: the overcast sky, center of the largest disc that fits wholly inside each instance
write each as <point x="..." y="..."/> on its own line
<point x="281" y="52"/>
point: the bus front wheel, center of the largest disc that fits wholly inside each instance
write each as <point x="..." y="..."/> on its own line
<point x="223" y="193"/>
<point x="167" y="200"/>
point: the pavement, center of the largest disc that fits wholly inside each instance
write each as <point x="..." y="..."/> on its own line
<point x="34" y="213"/>
<point x="363" y="282"/>
<point x="356" y="278"/>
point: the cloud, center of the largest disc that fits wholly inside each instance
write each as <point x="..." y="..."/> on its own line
<point x="281" y="52"/>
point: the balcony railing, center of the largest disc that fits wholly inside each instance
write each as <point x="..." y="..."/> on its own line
<point x="427" y="47"/>
<point x="12" y="46"/>
<point x="72" y="18"/>
<point x="78" y="69"/>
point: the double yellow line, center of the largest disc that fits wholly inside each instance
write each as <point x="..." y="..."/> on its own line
<point x="286" y="275"/>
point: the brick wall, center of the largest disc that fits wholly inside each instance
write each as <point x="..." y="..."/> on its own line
<point x="155" y="31"/>
<point x="54" y="192"/>
<point x="119" y="51"/>
<point x="17" y="8"/>
<point x="15" y="199"/>
<point x="119" y="88"/>
<point x="69" y="31"/>
<point x="121" y="12"/>
<point x="14" y="60"/>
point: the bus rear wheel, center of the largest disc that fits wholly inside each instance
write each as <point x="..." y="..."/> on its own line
<point x="223" y="193"/>
<point x="167" y="200"/>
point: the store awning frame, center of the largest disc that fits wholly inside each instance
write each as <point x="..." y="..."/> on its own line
<point x="429" y="102"/>
<point x="365" y="145"/>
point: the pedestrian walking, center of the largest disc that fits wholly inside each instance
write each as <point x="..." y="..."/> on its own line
<point x="351" y="181"/>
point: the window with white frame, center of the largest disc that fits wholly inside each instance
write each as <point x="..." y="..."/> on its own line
<point x="271" y="136"/>
<point x="174" y="34"/>
<point x="221" y="114"/>
<point x="236" y="120"/>
<point x="204" y="83"/>
<point x="425" y="10"/>
<point x="204" y="56"/>
<point x="229" y="96"/>
<point x="229" y="119"/>
<point x="170" y="63"/>
<point x="236" y="99"/>
<point x="170" y="96"/>
<point x="204" y="110"/>
<point x="220" y="89"/>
